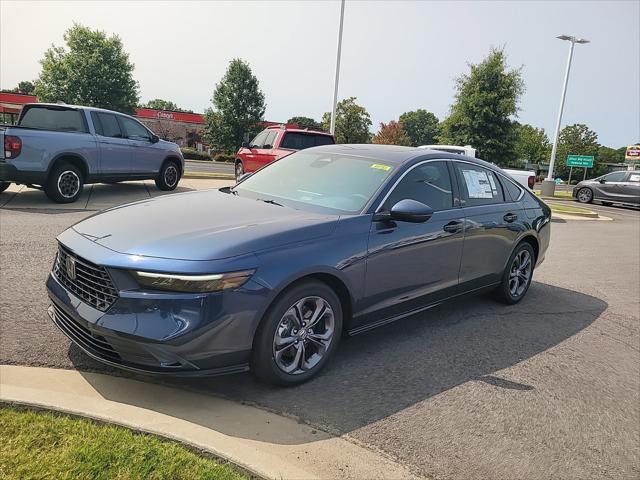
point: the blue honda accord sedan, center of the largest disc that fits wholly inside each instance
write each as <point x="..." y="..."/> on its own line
<point x="269" y="274"/>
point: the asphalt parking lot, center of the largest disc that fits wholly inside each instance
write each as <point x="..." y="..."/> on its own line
<point x="549" y="388"/>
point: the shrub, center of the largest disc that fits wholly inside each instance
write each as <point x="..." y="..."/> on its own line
<point x="224" y="157"/>
<point x="193" y="154"/>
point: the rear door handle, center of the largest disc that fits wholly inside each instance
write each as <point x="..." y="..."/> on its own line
<point x="510" y="217"/>
<point x="453" y="226"/>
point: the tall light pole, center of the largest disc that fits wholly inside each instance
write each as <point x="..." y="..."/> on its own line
<point x="332" y="129"/>
<point x="548" y="185"/>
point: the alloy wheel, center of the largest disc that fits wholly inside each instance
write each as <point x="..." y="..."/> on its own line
<point x="170" y="176"/>
<point x="520" y="273"/>
<point x="303" y="335"/>
<point x="239" y="169"/>
<point x="584" y="195"/>
<point x="68" y="184"/>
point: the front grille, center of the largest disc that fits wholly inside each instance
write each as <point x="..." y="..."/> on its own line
<point x="91" y="283"/>
<point x="96" y="344"/>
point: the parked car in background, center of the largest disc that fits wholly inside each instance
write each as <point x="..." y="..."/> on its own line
<point x="526" y="178"/>
<point x="60" y="148"/>
<point x="270" y="273"/>
<point x="275" y="142"/>
<point x="615" y="187"/>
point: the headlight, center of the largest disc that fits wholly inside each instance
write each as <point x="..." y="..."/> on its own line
<point x="192" y="283"/>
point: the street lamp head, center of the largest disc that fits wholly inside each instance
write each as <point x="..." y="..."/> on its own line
<point x="572" y="39"/>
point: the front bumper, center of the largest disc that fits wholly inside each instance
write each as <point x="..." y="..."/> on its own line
<point x="163" y="333"/>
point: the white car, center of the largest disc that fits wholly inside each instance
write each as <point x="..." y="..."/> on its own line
<point x="526" y="178"/>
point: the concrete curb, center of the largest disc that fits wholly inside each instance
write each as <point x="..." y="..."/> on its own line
<point x="220" y="176"/>
<point x="261" y="442"/>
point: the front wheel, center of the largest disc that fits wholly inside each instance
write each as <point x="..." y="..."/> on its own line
<point x="585" y="195"/>
<point x="298" y="335"/>
<point x="4" y="186"/>
<point x="64" y="184"/>
<point x="169" y="176"/>
<point x="239" y="170"/>
<point x="517" y="276"/>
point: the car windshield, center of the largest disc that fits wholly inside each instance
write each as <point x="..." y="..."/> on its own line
<point x="316" y="181"/>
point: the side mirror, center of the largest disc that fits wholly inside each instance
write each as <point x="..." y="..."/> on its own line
<point x="602" y="180"/>
<point x="155" y="138"/>
<point x="408" y="210"/>
<point x="245" y="145"/>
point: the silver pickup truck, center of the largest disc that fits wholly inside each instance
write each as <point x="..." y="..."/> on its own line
<point x="59" y="148"/>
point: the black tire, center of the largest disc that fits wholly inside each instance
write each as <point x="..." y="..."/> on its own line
<point x="315" y="352"/>
<point x="585" y="195"/>
<point x="4" y="186"/>
<point x="169" y="176"/>
<point x="65" y="183"/>
<point x="505" y="292"/>
<point x="239" y="169"/>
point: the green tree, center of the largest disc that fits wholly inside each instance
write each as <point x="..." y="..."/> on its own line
<point x="161" y="104"/>
<point x="421" y="127"/>
<point x="25" y="87"/>
<point x="485" y="102"/>
<point x="352" y="122"/>
<point x="532" y="144"/>
<point x="238" y="107"/>
<point x="305" y="122"/>
<point x="391" y="133"/>
<point x="577" y="139"/>
<point x="94" y="71"/>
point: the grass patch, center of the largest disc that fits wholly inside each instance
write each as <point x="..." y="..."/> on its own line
<point x="567" y="209"/>
<point x="36" y="444"/>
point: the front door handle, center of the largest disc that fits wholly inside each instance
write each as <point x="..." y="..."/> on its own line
<point x="453" y="226"/>
<point x="510" y="217"/>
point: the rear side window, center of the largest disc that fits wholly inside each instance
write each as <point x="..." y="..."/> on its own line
<point x="512" y="189"/>
<point x="478" y="185"/>
<point x="106" y="125"/>
<point x="298" y="141"/>
<point x="53" y="118"/>
<point x="324" y="140"/>
<point x="133" y="130"/>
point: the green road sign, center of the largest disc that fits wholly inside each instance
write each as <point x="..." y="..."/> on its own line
<point x="579" y="161"/>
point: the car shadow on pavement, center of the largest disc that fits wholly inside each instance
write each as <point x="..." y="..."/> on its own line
<point x="386" y="370"/>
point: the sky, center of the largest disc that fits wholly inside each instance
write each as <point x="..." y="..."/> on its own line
<point x="397" y="56"/>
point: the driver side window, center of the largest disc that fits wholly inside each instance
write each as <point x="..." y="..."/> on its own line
<point x="428" y="183"/>
<point x="615" y="177"/>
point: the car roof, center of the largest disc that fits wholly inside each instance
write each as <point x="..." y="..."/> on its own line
<point x="76" y="107"/>
<point x="397" y="155"/>
<point x="301" y="130"/>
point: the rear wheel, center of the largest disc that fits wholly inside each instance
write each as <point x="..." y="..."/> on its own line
<point x="585" y="195"/>
<point x="64" y="184"/>
<point x="298" y="335"/>
<point x="169" y="176"/>
<point x="517" y="276"/>
<point x="4" y="186"/>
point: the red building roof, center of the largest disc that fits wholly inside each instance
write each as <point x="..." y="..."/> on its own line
<point x="12" y="102"/>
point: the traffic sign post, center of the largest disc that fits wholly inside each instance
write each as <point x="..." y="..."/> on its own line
<point x="585" y="161"/>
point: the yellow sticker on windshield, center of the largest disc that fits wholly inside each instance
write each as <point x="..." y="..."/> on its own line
<point x="380" y="166"/>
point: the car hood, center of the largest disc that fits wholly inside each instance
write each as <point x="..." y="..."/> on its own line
<point x="205" y="225"/>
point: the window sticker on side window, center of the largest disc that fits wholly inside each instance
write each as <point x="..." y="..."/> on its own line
<point x="634" y="178"/>
<point x="479" y="184"/>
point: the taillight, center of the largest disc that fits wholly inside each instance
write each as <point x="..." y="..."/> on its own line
<point x="531" y="181"/>
<point x="12" y="146"/>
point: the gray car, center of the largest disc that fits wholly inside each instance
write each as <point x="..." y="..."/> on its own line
<point x="614" y="187"/>
<point x="59" y="148"/>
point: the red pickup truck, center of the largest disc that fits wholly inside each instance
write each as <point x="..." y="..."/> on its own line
<point x="275" y="142"/>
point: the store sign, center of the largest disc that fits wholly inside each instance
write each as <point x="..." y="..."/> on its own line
<point x="165" y="115"/>
<point x="632" y="154"/>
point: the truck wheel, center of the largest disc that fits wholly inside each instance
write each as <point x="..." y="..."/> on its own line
<point x="169" y="176"/>
<point x="4" y="186"/>
<point x="239" y="169"/>
<point x="64" y="184"/>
